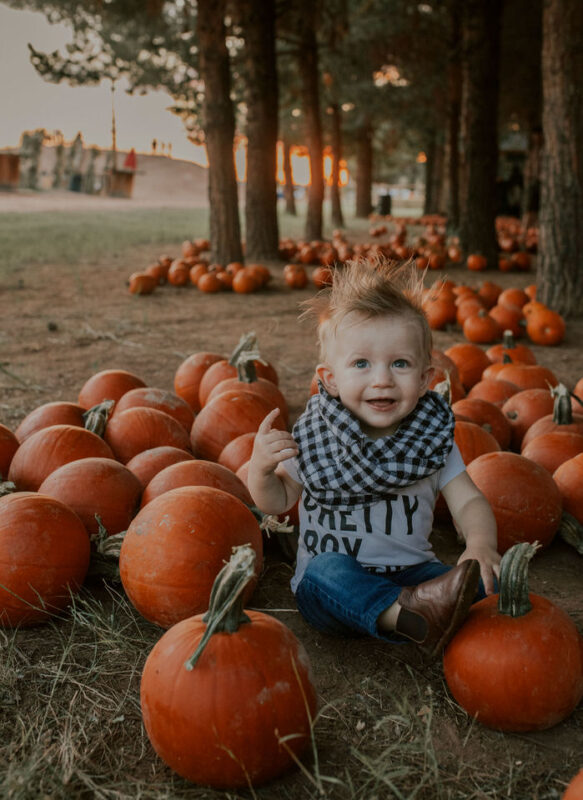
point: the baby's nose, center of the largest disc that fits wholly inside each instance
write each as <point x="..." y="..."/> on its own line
<point x="382" y="376"/>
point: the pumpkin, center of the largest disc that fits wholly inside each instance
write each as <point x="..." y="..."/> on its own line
<point x="137" y="429"/>
<point x="150" y="462"/>
<point x="226" y="417"/>
<point x="196" y="271"/>
<point x="470" y="360"/>
<point x="545" y="327"/>
<point x="228" y="698"/>
<point x="489" y="292"/>
<point x="513" y="296"/>
<point x="562" y="419"/>
<point x="569" y="479"/>
<point x="188" y="376"/>
<point x="473" y="440"/>
<point x="159" y="272"/>
<point x="516" y="664"/>
<point x="577" y="397"/>
<point x="178" y="273"/>
<point x="520" y="353"/>
<point x="58" y="412"/>
<point x="223" y="369"/>
<point x="322" y="277"/>
<point x="237" y="451"/>
<point x="509" y="318"/>
<point x="575" y="788"/>
<point x="210" y="283"/>
<point x="195" y="472"/>
<point x="528" y="376"/>
<point x="142" y="283"/>
<point x="162" y="400"/>
<point x="44" y="557"/>
<point x="551" y="449"/>
<point x="93" y="486"/>
<point x="175" y="547"/>
<point x="247" y="380"/>
<point x="482" y="328"/>
<point x="245" y="281"/>
<point x="109" y="384"/>
<point x="8" y="447"/>
<point x="487" y="415"/>
<point x="523" y="409"/>
<point x="523" y="496"/>
<point x="476" y="262"/>
<point x="492" y="390"/>
<point x="295" y="276"/>
<point x="48" y="449"/>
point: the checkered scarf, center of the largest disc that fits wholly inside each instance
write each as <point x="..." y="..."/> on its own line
<point x="341" y="468"/>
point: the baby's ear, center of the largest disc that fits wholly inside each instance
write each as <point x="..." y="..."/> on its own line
<point x="426" y="379"/>
<point x="326" y="375"/>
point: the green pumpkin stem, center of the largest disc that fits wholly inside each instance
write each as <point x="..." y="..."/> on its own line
<point x="225" y="613"/>
<point x="508" y="340"/>
<point x="562" y="410"/>
<point x="513" y="599"/>
<point x="571" y="531"/>
<point x="246" y="371"/>
<point x="248" y="341"/>
<point x="95" y="419"/>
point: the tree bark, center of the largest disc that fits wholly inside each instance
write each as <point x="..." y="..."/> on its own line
<point x="560" y="263"/>
<point x="453" y="119"/>
<point x="364" y="160"/>
<point x="481" y="44"/>
<point x="288" y="186"/>
<point x="261" y="227"/>
<point x="219" y="128"/>
<point x="309" y="79"/>
<point x="434" y="176"/>
<point x="336" y="210"/>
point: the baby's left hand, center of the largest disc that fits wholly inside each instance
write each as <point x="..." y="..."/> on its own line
<point x="489" y="560"/>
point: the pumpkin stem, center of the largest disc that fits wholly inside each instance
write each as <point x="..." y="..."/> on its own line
<point x="245" y="364"/>
<point x="6" y="487"/>
<point x="562" y="410"/>
<point x="225" y="613"/>
<point x="513" y="599"/>
<point x="105" y="553"/>
<point x="95" y="419"/>
<point x="443" y="388"/>
<point x="571" y="531"/>
<point x="508" y="340"/>
<point x="248" y="341"/>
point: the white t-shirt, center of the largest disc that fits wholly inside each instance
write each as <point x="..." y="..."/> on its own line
<point x="393" y="532"/>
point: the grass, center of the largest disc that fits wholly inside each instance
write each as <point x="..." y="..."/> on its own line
<point x="55" y="237"/>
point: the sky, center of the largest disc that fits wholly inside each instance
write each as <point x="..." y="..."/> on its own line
<point x="28" y="102"/>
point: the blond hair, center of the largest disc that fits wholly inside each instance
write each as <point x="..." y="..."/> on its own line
<point x="372" y="287"/>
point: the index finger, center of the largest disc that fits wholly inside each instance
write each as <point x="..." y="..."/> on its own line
<point x="267" y="421"/>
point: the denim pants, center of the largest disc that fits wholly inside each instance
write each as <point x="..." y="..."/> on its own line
<point x="339" y="596"/>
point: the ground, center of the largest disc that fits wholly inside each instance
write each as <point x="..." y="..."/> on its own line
<point x="387" y="725"/>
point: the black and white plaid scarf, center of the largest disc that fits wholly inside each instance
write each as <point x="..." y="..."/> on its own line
<point x="341" y="468"/>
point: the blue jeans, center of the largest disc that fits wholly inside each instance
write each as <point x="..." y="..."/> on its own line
<point x="337" y="595"/>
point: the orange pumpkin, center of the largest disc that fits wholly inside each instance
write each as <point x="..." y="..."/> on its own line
<point x="189" y="374"/>
<point x="551" y="449"/>
<point x="137" y="429"/>
<point x="8" y="447"/>
<point x="569" y="478"/>
<point x="195" y="472"/>
<point x="487" y="415"/>
<point x="109" y="384"/>
<point x="545" y="327"/>
<point x="162" y="400"/>
<point x="237" y="451"/>
<point x="523" y="409"/>
<point x="57" y="412"/>
<point x="470" y="360"/>
<point x="150" y="462"/>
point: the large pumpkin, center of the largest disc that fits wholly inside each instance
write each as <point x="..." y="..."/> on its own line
<point x="196" y="472"/>
<point x="99" y="486"/>
<point x="228" y="699"/>
<point x="524" y="408"/>
<point x="524" y="497"/>
<point x="44" y="557"/>
<point x="57" y="412"/>
<point x="109" y="384"/>
<point x="50" y="448"/>
<point x="177" y="544"/>
<point x="160" y="399"/>
<point x="150" y="462"/>
<point x="516" y="664"/>
<point x="189" y="374"/>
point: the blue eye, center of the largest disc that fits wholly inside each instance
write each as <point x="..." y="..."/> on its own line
<point x="361" y="363"/>
<point x="401" y="363"/>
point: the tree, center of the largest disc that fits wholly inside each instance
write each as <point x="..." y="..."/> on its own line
<point x="481" y="31"/>
<point x="560" y="263"/>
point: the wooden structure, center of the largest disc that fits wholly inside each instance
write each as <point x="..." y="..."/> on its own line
<point x="9" y="171"/>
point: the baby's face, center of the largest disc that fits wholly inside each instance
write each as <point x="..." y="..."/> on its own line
<point x="377" y="368"/>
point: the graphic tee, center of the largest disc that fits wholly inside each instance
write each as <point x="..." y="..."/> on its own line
<point x="384" y="536"/>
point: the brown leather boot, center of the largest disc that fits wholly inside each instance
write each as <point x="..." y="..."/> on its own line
<point x="434" y="610"/>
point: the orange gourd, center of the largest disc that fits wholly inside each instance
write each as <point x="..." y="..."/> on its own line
<point x="137" y="429"/>
<point x="195" y="472"/>
<point x="160" y="399"/>
<point x="109" y="384"/>
<point x="8" y="446"/>
<point x="150" y="462"/>
<point x="57" y="412"/>
<point x="189" y="374"/>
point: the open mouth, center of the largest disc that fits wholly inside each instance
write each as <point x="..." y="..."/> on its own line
<point x="381" y="403"/>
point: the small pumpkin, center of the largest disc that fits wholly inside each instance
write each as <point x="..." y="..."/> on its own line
<point x="177" y="544"/>
<point x="569" y="478"/>
<point x="575" y="788"/>
<point x="473" y="440"/>
<point x="545" y="327"/>
<point x="228" y="698"/>
<point x="237" y="451"/>
<point x="142" y="283"/>
<point x="520" y="353"/>
<point x="482" y="328"/>
<point x="470" y="360"/>
<point x="523" y="409"/>
<point x="516" y="664"/>
<point x="528" y="376"/>
<point x="562" y="419"/>
<point x="57" y="412"/>
<point x="487" y="415"/>
<point x="492" y="390"/>
<point x="150" y="462"/>
<point x="551" y="449"/>
<point x="476" y="262"/>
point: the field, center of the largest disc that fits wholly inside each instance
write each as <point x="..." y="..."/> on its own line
<point x="70" y="725"/>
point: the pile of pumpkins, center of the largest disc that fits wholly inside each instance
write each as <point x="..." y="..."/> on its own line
<point x="155" y="478"/>
<point x="485" y="313"/>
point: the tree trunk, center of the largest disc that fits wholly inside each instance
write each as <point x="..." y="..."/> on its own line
<point x="261" y="227"/>
<point x="453" y="119"/>
<point x="434" y="176"/>
<point x="560" y="263"/>
<point x="481" y="45"/>
<point x="364" y="171"/>
<point x="219" y="128"/>
<point x="309" y="79"/>
<point x="288" y="187"/>
<point x="336" y="211"/>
